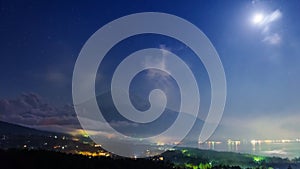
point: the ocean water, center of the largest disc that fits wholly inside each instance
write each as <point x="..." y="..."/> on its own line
<point x="278" y="149"/>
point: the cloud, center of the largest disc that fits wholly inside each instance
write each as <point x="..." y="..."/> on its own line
<point x="273" y="39"/>
<point x="284" y="126"/>
<point x="30" y="109"/>
<point x="272" y="17"/>
<point x="277" y="127"/>
<point x="119" y="124"/>
<point x="162" y="79"/>
<point x="164" y="49"/>
<point x="264" y="22"/>
<point x="57" y="78"/>
<point x="159" y="62"/>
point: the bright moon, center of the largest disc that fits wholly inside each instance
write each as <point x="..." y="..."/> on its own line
<point x="258" y="18"/>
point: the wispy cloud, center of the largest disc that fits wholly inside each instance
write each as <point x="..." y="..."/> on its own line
<point x="161" y="78"/>
<point x="58" y="78"/>
<point x="273" y="39"/>
<point x="165" y="48"/>
<point x="159" y="62"/>
<point x="264" y="22"/>
<point x="275" y="15"/>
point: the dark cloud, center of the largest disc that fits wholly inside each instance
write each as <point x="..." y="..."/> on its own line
<point x="31" y="110"/>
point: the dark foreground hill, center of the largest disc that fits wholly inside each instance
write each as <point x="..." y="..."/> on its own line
<point x="199" y="159"/>
<point x="40" y="159"/>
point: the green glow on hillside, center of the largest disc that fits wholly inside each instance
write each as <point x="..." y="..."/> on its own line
<point x="184" y="151"/>
<point x="258" y="159"/>
<point x="200" y="166"/>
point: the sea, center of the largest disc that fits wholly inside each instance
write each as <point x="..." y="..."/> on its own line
<point x="275" y="148"/>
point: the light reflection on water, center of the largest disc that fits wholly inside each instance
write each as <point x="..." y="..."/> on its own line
<point x="279" y="149"/>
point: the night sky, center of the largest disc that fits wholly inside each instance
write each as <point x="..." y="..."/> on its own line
<point x="258" y="43"/>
